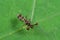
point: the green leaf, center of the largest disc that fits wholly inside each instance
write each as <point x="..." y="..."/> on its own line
<point x="46" y="13"/>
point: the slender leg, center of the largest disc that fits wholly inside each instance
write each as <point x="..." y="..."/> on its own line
<point x="28" y="28"/>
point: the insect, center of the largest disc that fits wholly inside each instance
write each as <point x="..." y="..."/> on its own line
<point x="27" y="22"/>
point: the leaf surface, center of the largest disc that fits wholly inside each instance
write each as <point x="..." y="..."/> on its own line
<point x="47" y="14"/>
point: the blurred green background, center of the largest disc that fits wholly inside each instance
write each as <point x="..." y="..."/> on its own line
<point x="47" y="14"/>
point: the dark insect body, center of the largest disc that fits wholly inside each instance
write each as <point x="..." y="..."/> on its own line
<point x="27" y="22"/>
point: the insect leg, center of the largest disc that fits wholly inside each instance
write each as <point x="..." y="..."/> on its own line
<point x="36" y="24"/>
<point x="28" y="28"/>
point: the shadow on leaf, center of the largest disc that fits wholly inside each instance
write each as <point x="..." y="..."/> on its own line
<point x="14" y="23"/>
